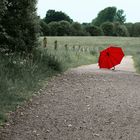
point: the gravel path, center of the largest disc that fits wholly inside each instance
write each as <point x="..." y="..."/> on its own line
<point x="84" y="103"/>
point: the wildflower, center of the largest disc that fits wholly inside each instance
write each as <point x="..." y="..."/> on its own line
<point x="14" y="62"/>
<point x="21" y="63"/>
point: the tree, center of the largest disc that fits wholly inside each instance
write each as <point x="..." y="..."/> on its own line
<point x="120" y="30"/>
<point x="136" y="29"/>
<point x="94" y="30"/>
<point x="130" y="27"/>
<point x="53" y="15"/>
<point x="44" y="28"/>
<point x="120" y="17"/>
<point x="76" y="29"/>
<point x="2" y="30"/>
<point x="2" y="8"/>
<point x="63" y="28"/>
<point x="108" y="28"/>
<point x="20" y="23"/>
<point x="105" y="15"/>
<point x="53" y="28"/>
<point x="110" y="14"/>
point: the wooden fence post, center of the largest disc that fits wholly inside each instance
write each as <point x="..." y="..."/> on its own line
<point x="55" y="45"/>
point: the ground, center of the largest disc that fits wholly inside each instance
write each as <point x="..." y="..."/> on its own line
<point x="84" y="103"/>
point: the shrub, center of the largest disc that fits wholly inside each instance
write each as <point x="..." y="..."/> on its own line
<point x="20" y="24"/>
<point x="108" y="28"/>
<point x="136" y="29"/>
<point x="130" y="27"/>
<point x="94" y="30"/>
<point x="121" y="30"/>
<point x="54" y="28"/>
<point x="44" y="28"/>
<point x="63" y="28"/>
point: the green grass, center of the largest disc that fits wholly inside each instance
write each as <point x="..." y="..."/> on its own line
<point x="130" y="45"/>
<point x="21" y="77"/>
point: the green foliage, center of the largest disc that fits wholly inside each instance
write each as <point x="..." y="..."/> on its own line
<point x="129" y="27"/>
<point x="20" y="76"/>
<point x="56" y="16"/>
<point x="78" y="30"/>
<point x="20" y="25"/>
<point x="121" y="30"/>
<point x="105" y="15"/>
<point x="44" y="28"/>
<point x="54" y="28"/>
<point x="109" y="14"/>
<point x="136" y="29"/>
<point x="133" y="29"/>
<point x="119" y="17"/>
<point x="108" y="28"/>
<point x="2" y="13"/>
<point x="94" y="30"/>
<point x="64" y="28"/>
<point x="136" y="58"/>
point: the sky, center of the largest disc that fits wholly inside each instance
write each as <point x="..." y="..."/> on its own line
<point x="86" y="10"/>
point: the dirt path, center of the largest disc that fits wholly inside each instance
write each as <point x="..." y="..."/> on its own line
<point x="82" y="104"/>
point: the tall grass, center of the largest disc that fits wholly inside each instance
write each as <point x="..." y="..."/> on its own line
<point x="20" y="77"/>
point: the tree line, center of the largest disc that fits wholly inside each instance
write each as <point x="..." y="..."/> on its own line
<point x="109" y="22"/>
<point x="20" y="27"/>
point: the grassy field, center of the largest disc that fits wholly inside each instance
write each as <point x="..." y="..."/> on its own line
<point x="22" y="77"/>
<point x="130" y="45"/>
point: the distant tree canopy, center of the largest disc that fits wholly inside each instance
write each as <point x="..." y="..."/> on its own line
<point x="109" y="14"/>
<point x="77" y="29"/>
<point x="44" y="28"/>
<point x="19" y="25"/>
<point x="136" y="29"/>
<point x="130" y="28"/>
<point x="56" y="16"/>
<point x="108" y="28"/>
<point x="105" y="15"/>
<point x="109" y="22"/>
<point x="120" y="17"/>
<point x="94" y="30"/>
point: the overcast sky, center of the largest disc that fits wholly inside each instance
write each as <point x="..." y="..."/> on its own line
<point x="86" y="10"/>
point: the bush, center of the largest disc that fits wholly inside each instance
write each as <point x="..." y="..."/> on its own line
<point x="121" y="30"/>
<point x="20" y="26"/>
<point x="20" y="77"/>
<point x="136" y="29"/>
<point x="108" y="28"/>
<point x="76" y="29"/>
<point x="54" y="28"/>
<point x="64" y="28"/>
<point x="94" y="30"/>
<point x="130" y="27"/>
<point x="44" y="28"/>
<point x="56" y="16"/>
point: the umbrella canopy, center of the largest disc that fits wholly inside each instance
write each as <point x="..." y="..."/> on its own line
<point x="110" y="57"/>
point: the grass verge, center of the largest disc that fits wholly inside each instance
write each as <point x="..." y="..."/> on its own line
<point x="22" y="76"/>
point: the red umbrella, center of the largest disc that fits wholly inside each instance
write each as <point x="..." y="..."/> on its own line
<point x="110" y="57"/>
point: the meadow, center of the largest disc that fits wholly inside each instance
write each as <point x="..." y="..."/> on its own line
<point x="93" y="45"/>
<point x="21" y="77"/>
